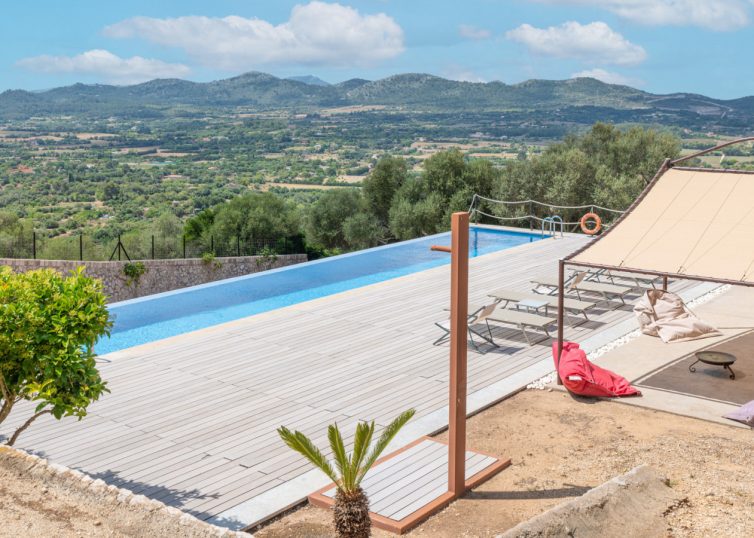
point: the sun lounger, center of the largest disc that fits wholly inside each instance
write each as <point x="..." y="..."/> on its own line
<point x="477" y="314"/>
<point x="640" y="281"/>
<point x="573" y="306"/>
<point x="523" y="320"/>
<point x="579" y="285"/>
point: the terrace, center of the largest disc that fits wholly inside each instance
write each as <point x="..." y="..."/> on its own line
<point x="191" y="419"/>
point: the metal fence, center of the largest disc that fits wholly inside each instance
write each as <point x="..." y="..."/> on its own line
<point x="141" y="247"/>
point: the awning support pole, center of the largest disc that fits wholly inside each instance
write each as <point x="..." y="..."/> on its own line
<point x="561" y="311"/>
<point x="664" y="282"/>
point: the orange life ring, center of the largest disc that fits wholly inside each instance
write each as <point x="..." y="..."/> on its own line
<point x="597" y="223"/>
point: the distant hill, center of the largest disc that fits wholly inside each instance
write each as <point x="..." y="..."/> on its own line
<point x="310" y="79"/>
<point x="417" y="92"/>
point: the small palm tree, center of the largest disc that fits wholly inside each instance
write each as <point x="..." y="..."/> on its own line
<point x="351" y="512"/>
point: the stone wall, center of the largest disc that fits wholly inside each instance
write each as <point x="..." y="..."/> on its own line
<point x="161" y="275"/>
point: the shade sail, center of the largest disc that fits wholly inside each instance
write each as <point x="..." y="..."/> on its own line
<point x="690" y="222"/>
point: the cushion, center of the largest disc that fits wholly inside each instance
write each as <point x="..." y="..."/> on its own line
<point x="582" y="377"/>
<point x="744" y="414"/>
<point x="661" y="313"/>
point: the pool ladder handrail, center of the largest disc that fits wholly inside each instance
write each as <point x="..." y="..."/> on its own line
<point x="552" y="222"/>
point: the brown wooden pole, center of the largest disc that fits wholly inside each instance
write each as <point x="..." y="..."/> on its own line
<point x="459" y="296"/>
<point x="561" y="312"/>
<point x="664" y="282"/>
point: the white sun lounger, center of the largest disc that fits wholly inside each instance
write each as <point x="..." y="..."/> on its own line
<point x="477" y="314"/>
<point x="523" y="320"/>
<point x="579" y="285"/>
<point x="574" y="306"/>
<point x="640" y="281"/>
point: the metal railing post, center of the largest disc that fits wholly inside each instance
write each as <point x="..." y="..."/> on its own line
<point x="119" y="247"/>
<point x="238" y="245"/>
<point x="81" y="247"/>
<point x="184" y="247"/>
<point x="34" y="245"/>
<point x="153" y="246"/>
<point x="212" y="243"/>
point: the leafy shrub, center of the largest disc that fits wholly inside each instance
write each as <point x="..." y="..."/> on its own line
<point x="134" y="271"/>
<point x="266" y="256"/>
<point x="209" y="259"/>
<point x="48" y="327"/>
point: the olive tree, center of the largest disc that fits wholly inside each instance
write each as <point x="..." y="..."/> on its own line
<point x="49" y="324"/>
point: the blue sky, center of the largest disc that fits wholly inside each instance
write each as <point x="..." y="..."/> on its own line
<point x="661" y="46"/>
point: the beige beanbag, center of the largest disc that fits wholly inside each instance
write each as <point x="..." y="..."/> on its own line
<point x="661" y="313"/>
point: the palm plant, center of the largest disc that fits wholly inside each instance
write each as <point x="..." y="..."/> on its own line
<point x="351" y="511"/>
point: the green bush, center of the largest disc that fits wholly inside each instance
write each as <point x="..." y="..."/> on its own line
<point x="209" y="259"/>
<point x="134" y="271"/>
<point x="48" y="327"/>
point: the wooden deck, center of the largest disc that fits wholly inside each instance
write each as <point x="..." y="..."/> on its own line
<point x="412" y="484"/>
<point x="191" y="420"/>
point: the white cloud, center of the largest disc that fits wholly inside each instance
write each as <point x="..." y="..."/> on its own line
<point x="317" y="33"/>
<point x="595" y="43"/>
<point x="719" y="15"/>
<point x="106" y="65"/>
<point x="472" y="32"/>
<point x="608" y="76"/>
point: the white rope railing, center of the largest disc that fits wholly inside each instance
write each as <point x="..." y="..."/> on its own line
<point x="522" y="217"/>
<point x="541" y="204"/>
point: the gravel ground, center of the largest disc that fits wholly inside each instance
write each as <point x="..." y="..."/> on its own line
<point x="562" y="446"/>
<point x="41" y="500"/>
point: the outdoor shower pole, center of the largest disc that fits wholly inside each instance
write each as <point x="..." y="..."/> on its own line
<point x="459" y="296"/>
<point x="561" y="311"/>
<point x="459" y="305"/>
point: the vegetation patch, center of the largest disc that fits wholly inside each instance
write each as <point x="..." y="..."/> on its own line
<point x="48" y="327"/>
<point x="133" y="272"/>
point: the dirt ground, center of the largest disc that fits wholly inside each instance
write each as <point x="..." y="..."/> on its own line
<point x="560" y="447"/>
<point x="37" y="502"/>
<point x="29" y="509"/>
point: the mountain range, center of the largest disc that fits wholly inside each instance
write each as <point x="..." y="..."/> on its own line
<point x="410" y="92"/>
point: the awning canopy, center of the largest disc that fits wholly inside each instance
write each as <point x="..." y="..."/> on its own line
<point x="689" y="222"/>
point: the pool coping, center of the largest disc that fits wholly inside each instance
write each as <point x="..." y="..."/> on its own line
<point x="114" y="353"/>
<point x="216" y="283"/>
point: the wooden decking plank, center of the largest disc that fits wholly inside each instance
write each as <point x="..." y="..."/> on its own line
<point x="184" y="412"/>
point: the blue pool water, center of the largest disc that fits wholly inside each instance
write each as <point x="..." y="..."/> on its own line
<point x="154" y="317"/>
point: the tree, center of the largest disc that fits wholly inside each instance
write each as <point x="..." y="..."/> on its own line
<point x="444" y="173"/>
<point x="15" y="236"/>
<point x="326" y="217"/>
<point x="363" y="231"/>
<point x="253" y="217"/>
<point x="110" y="192"/>
<point x="48" y="327"/>
<point x="197" y="226"/>
<point x="605" y="166"/>
<point x="380" y="186"/>
<point x="351" y="513"/>
<point x="414" y="219"/>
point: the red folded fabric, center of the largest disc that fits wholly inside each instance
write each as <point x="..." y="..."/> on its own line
<point x="587" y="379"/>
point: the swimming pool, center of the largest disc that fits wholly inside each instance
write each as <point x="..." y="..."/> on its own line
<point x="159" y="316"/>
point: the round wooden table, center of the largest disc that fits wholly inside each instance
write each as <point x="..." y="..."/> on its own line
<point x="714" y="358"/>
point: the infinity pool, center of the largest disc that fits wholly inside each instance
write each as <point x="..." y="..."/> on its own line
<point x="159" y="316"/>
